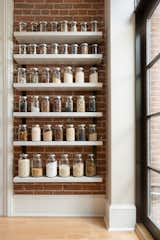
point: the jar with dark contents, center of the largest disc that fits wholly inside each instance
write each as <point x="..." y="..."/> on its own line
<point x="64" y="49"/>
<point x="45" y="104"/>
<point x="90" y="168"/>
<point x="43" y="26"/>
<point x="94" y="48"/>
<point x="74" y="49"/>
<point x="43" y="48"/>
<point x="92" y="104"/>
<point x="36" y="166"/>
<point x="69" y="104"/>
<point x="21" y="78"/>
<point x="92" y="135"/>
<point x="34" y="26"/>
<point x="81" y="132"/>
<point x="45" y="78"/>
<point x="57" y="104"/>
<point x="54" y="26"/>
<point x="54" y="48"/>
<point x="83" y="26"/>
<point x="22" y="26"/>
<point x="23" y="104"/>
<point x="33" y="75"/>
<point x="58" y="132"/>
<point x="64" y="26"/>
<point x="22" y="132"/>
<point x="32" y="48"/>
<point x="94" y="26"/>
<point x="84" y="48"/>
<point x="22" y="49"/>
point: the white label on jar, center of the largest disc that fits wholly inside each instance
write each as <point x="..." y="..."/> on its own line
<point x="78" y="169"/>
<point x="51" y="169"/>
<point x="68" y="77"/>
<point x="79" y="77"/>
<point x="64" y="170"/>
<point x="36" y="134"/>
<point x="70" y="134"/>
<point x="34" y="109"/>
<point x="93" y="77"/>
<point x="24" y="168"/>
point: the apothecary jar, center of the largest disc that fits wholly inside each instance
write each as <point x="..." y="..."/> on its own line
<point x="64" y="166"/>
<point x="36" y="166"/>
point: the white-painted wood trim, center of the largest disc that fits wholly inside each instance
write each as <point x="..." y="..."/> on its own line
<point x="58" y="143"/>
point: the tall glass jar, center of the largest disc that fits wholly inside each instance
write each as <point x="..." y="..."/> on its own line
<point x="51" y="166"/>
<point x="92" y="136"/>
<point x="79" y="75"/>
<point x="34" y="26"/>
<point x="22" y="132"/>
<point x="45" y="78"/>
<point x="32" y="48"/>
<point x="21" y="75"/>
<point x="58" y="132"/>
<point x="81" y="107"/>
<point x="22" y="49"/>
<point x="64" y="49"/>
<point x="56" y="75"/>
<point x="94" y="48"/>
<point x="23" y="166"/>
<point x="83" y="26"/>
<point x="36" y="133"/>
<point x="45" y="104"/>
<point x="84" y="48"/>
<point x="54" y="26"/>
<point x="36" y="166"/>
<point x="92" y="104"/>
<point x="43" y="26"/>
<point x="73" y="26"/>
<point x="54" y="48"/>
<point x="35" y="107"/>
<point x="69" y="104"/>
<point x="64" y="166"/>
<point x="22" y="26"/>
<point x="81" y="132"/>
<point x="90" y="166"/>
<point x="23" y="104"/>
<point x="33" y="75"/>
<point x="68" y="75"/>
<point x="43" y="48"/>
<point x="94" y="26"/>
<point x="57" y="104"/>
<point x="64" y="26"/>
<point x="47" y="132"/>
<point x="78" y="166"/>
<point x="93" y="75"/>
<point x="70" y="132"/>
<point x="74" y="48"/>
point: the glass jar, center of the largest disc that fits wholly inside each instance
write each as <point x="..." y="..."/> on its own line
<point x="64" y="49"/>
<point x="68" y="75"/>
<point x="78" y="166"/>
<point x="23" y="104"/>
<point x="22" y="49"/>
<point x="22" y="132"/>
<point x="54" y="48"/>
<point x="32" y="48"/>
<point x="64" y="26"/>
<point x="43" y="48"/>
<point x="64" y="166"/>
<point x="81" y="132"/>
<point x="90" y="166"/>
<point x="36" y="166"/>
<point x="33" y="75"/>
<point x="94" y="26"/>
<point x="83" y="26"/>
<point x="36" y="133"/>
<point x="22" y="26"/>
<point x="74" y="48"/>
<point x="57" y="104"/>
<point x="84" y="48"/>
<point x="56" y="75"/>
<point x="58" y="132"/>
<point x="54" y="26"/>
<point x="23" y="166"/>
<point x="34" y="26"/>
<point x="35" y="104"/>
<point x="94" y="48"/>
<point x="79" y="75"/>
<point x="69" y="104"/>
<point x="93" y="75"/>
<point x="73" y="26"/>
<point x="92" y="104"/>
<point x="92" y="132"/>
<point x="45" y="78"/>
<point x="47" y="132"/>
<point x="81" y="104"/>
<point x="45" y="104"/>
<point x="70" y="132"/>
<point x="51" y="166"/>
<point x="43" y="26"/>
<point x="21" y="75"/>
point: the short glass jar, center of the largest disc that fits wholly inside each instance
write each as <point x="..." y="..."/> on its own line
<point x="69" y="104"/>
<point x="58" y="132"/>
<point x="94" y="48"/>
<point x="32" y="48"/>
<point x="47" y="133"/>
<point x="35" y="106"/>
<point x="56" y="75"/>
<point x="57" y="104"/>
<point x="64" y="166"/>
<point x="22" y="49"/>
<point x="93" y="75"/>
<point x="64" y="49"/>
<point x="73" y="26"/>
<point x="78" y="166"/>
<point x="68" y="75"/>
<point x="36" y="133"/>
<point x="34" y="27"/>
<point x="83" y="26"/>
<point x="74" y="48"/>
<point x="22" y="26"/>
<point x="64" y="26"/>
<point x="22" y="132"/>
<point x="45" y="104"/>
<point x="94" y="26"/>
<point x="51" y="166"/>
<point x="45" y="77"/>
<point x="84" y="48"/>
<point x="79" y="75"/>
<point x="43" y="26"/>
<point x="23" y="104"/>
<point x="36" y="166"/>
<point x="43" y="48"/>
<point x="21" y="78"/>
<point x="81" y="106"/>
<point x="54" y="26"/>
<point x="70" y="132"/>
<point x="92" y="133"/>
<point x="33" y="75"/>
<point x="81" y="132"/>
<point x="54" y="48"/>
<point x="90" y="168"/>
<point x="92" y="104"/>
<point x="23" y="166"/>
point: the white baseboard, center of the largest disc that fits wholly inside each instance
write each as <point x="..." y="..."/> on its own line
<point x="120" y="217"/>
<point x="59" y="205"/>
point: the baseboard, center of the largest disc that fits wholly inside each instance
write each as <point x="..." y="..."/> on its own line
<point x="142" y="232"/>
<point x="59" y="205"/>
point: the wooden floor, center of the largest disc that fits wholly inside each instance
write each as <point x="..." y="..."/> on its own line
<point x="40" y="228"/>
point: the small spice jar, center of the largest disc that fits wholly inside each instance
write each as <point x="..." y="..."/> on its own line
<point x="94" y="26"/>
<point x="57" y="104"/>
<point x="23" y="166"/>
<point x="90" y="166"/>
<point x="64" y="166"/>
<point x="64" y="49"/>
<point x="43" y="26"/>
<point x="73" y="26"/>
<point x="35" y="104"/>
<point x="58" y="132"/>
<point x="36" y="166"/>
<point x="45" y="104"/>
<point x="22" y="132"/>
<point x="64" y="26"/>
<point x="21" y="75"/>
<point x="92" y="136"/>
<point x="56" y="75"/>
<point x="54" y="48"/>
<point x="69" y="104"/>
<point x="74" y="48"/>
<point x="54" y="26"/>
<point x="47" y="132"/>
<point x="93" y="75"/>
<point x="51" y="166"/>
<point x="94" y="48"/>
<point x="70" y="132"/>
<point x="81" y="104"/>
<point x="34" y="26"/>
<point x="68" y="75"/>
<point x="79" y="75"/>
<point x="92" y="104"/>
<point x="45" y="77"/>
<point x="78" y="166"/>
<point x="81" y="132"/>
<point x="33" y="75"/>
<point x="36" y="133"/>
<point x="43" y="48"/>
<point x="22" y="26"/>
<point x="84" y="48"/>
<point x="32" y="48"/>
<point x="23" y="104"/>
<point x="22" y="49"/>
<point x="83" y="26"/>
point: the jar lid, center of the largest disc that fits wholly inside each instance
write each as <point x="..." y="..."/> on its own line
<point x="36" y="155"/>
<point x="45" y="69"/>
<point x="90" y="155"/>
<point x="70" y="125"/>
<point x="46" y="97"/>
<point x="59" y="125"/>
<point x="59" y="97"/>
<point x="34" y="23"/>
<point x="43" y="44"/>
<point x="23" y="125"/>
<point x="65" y="45"/>
<point x="35" y="125"/>
<point x="65" y="155"/>
<point x="94" y="21"/>
<point x="68" y="68"/>
<point x="92" y="125"/>
<point x="95" y="45"/>
<point x="64" y="21"/>
<point x="82" y="125"/>
<point x="81" y="97"/>
<point x="43" y="22"/>
<point x="23" y="44"/>
<point x="23" y="97"/>
<point x="84" y="44"/>
<point x="79" y="68"/>
<point x="92" y="97"/>
<point x="22" y="69"/>
<point x="53" y="22"/>
<point x="51" y="155"/>
<point x="83" y="23"/>
<point x="93" y="69"/>
<point x="55" y="44"/>
<point x="73" y="22"/>
<point x="74" y="45"/>
<point x="32" y="45"/>
<point x="21" y="22"/>
<point x="70" y="97"/>
<point x="78" y="155"/>
<point x="23" y="155"/>
<point x="56" y="69"/>
<point x="35" y="97"/>
<point x="33" y="69"/>
<point x="47" y="125"/>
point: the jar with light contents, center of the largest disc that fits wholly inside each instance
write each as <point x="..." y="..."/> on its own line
<point x="51" y="166"/>
<point x="68" y="75"/>
<point x="78" y="166"/>
<point x="64" y="166"/>
<point x="79" y="75"/>
<point x="22" y="132"/>
<point x="83" y="26"/>
<point x="90" y="169"/>
<point x="33" y="75"/>
<point x="64" y="49"/>
<point x="43" y="26"/>
<point x="22" y="26"/>
<point x="47" y="133"/>
<point x="94" y="26"/>
<point x="35" y="106"/>
<point x="74" y="48"/>
<point x="22" y="49"/>
<point x="54" y="48"/>
<point x="45" y="104"/>
<point x="21" y="78"/>
<point x="70" y="132"/>
<point x="36" y="133"/>
<point x="81" y="104"/>
<point x="56" y="75"/>
<point x="24" y="166"/>
<point x="73" y="26"/>
<point x="36" y="166"/>
<point x="93" y="75"/>
<point x="45" y="78"/>
<point x="92" y="133"/>
<point x="84" y="48"/>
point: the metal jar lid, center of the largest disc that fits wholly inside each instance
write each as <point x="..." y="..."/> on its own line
<point x="33" y="69"/>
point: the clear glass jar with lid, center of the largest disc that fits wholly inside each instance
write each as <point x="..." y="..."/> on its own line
<point x="22" y="26"/>
<point x="70" y="132"/>
<point x="32" y="48"/>
<point x="81" y="132"/>
<point x="84" y="48"/>
<point x="45" y="78"/>
<point x="68" y="75"/>
<point x="81" y="106"/>
<point x="94" y="26"/>
<point x="35" y="107"/>
<point x="79" y="75"/>
<point x="22" y="103"/>
<point x="51" y="166"/>
<point x="74" y="48"/>
<point x="34" y="26"/>
<point x="24" y="165"/>
<point x="57" y="104"/>
<point x="64" y="166"/>
<point x="92" y="136"/>
<point x="56" y="75"/>
<point x="45" y="104"/>
<point x="83" y="26"/>
<point x="21" y="78"/>
<point x="64" y="49"/>
<point x="54" y="48"/>
<point x="93" y="75"/>
<point x="58" y="132"/>
<point x="33" y="75"/>
<point x="36" y="133"/>
<point x="69" y="104"/>
<point x="94" y="48"/>
<point x="43" y="26"/>
<point x="90" y="169"/>
<point x="43" y="48"/>
<point x="36" y="166"/>
<point x="64" y="26"/>
<point x="54" y="26"/>
<point x="78" y="166"/>
<point x="22" y="132"/>
<point x="92" y="104"/>
<point x="73" y="26"/>
<point x="47" y="133"/>
<point x="22" y="49"/>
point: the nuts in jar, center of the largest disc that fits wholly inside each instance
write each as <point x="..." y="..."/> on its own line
<point x="22" y="132"/>
<point x="70" y="132"/>
<point x="47" y="132"/>
<point x="45" y="104"/>
<point x="58" y="132"/>
<point x="81" y="104"/>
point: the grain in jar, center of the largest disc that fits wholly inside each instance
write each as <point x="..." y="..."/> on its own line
<point x="74" y="48"/>
<point x="23" y="166"/>
<point x="79" y="75"/>
<point x="54" y="48"/>
<point x="22" y="26"/>
<point x="51" y="166"/>
<point x="64" y="49"/>
<point x="36" y="132"/>
<point x="64" y="26"/>
<point x="94" y="48"/>
<point x="92" y="104"/>
<point x="35" y="107"/>
<point x="68" y="75"/>
<point x="83" y="26"/>
<point x="58" y="132"/>
<point x="73" y="26"/>
<point x="81" y="132"/>
<point x="21" y="78"/>
<point x="22" y="49"/>
<point x="45" y="104"/>
<point x="22" y="132"/>
<point x="56" y="75"/>
<point x="93" y="75"/>
<point x="33" y="75"/>
<point x="54" y="26"/>
<point x="92" y="136"/>
<point x="81" y="104"/>
<point x="70" y="132"/>
<point x="90" y="166"/>
<point x="78" y="166"/>
<point x="47" y="132"/>
<point x="45" y="77"/>
<point x="34" y="26"/>
<point x="69" y="104"/>
<point x="43" y="26"/>
<point x="32" y="48"/>
<point x="23" y="104"/>
<point x="36" y="166"/>
<point x="57" y="104"/>
<point x="94" y="26"/>
<point x="64" y="166"/>
<point x="84" y="48"/>
<point x="43" y="48"/>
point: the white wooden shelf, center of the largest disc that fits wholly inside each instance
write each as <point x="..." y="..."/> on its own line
<point x="69" y="59"/>
<point x="57" y="179"/>
<point x="58" y="86"/>
<point x="58" y="143"/>
<point x="59" y="37"/>
<point x="57" y="114"/>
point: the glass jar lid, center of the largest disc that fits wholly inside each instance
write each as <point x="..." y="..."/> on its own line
<point x="23" y="126"/>
<point x="92" y="97"/>
<point x="56" y="69"/>
<point x="82" y="125"/>
<point x="43" y="22"/>
<point x="55" y="44"/>
<point x="94" y="21"/>
<point x="47" y="126"/>
<point x="74" y="45"/>
<point x="68" y="68"/>
<point x="70" y="126"/>
<point x="36" y="97"/>
<point x="46" y="97"/>
<point x="82" y="97"/>
<point x="35" y="125"/>
<point x="92" y="125"/>
<point x="84" y="44"/>
<point x="43" y="45"/>
<point x="73" y="22"/>
<point x="95" y="45"/>
<point x="23" y="155"/>
<point x="79" y="68"/>
<point x="83" y="23"/>
<point x="46" y="69"/>
<point x="23" y="97"/>
<point x="32" y="45"/>
<point x="22" y="69"/>
<point x="57" y="97"/>
<point x="38" y="155"/>
<point x="64" y="21"/>
<point x="59" y="126"/>
<point x="53" y="22"/>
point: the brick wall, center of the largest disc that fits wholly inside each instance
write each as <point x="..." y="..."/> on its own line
<point x="50" y="10"/>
